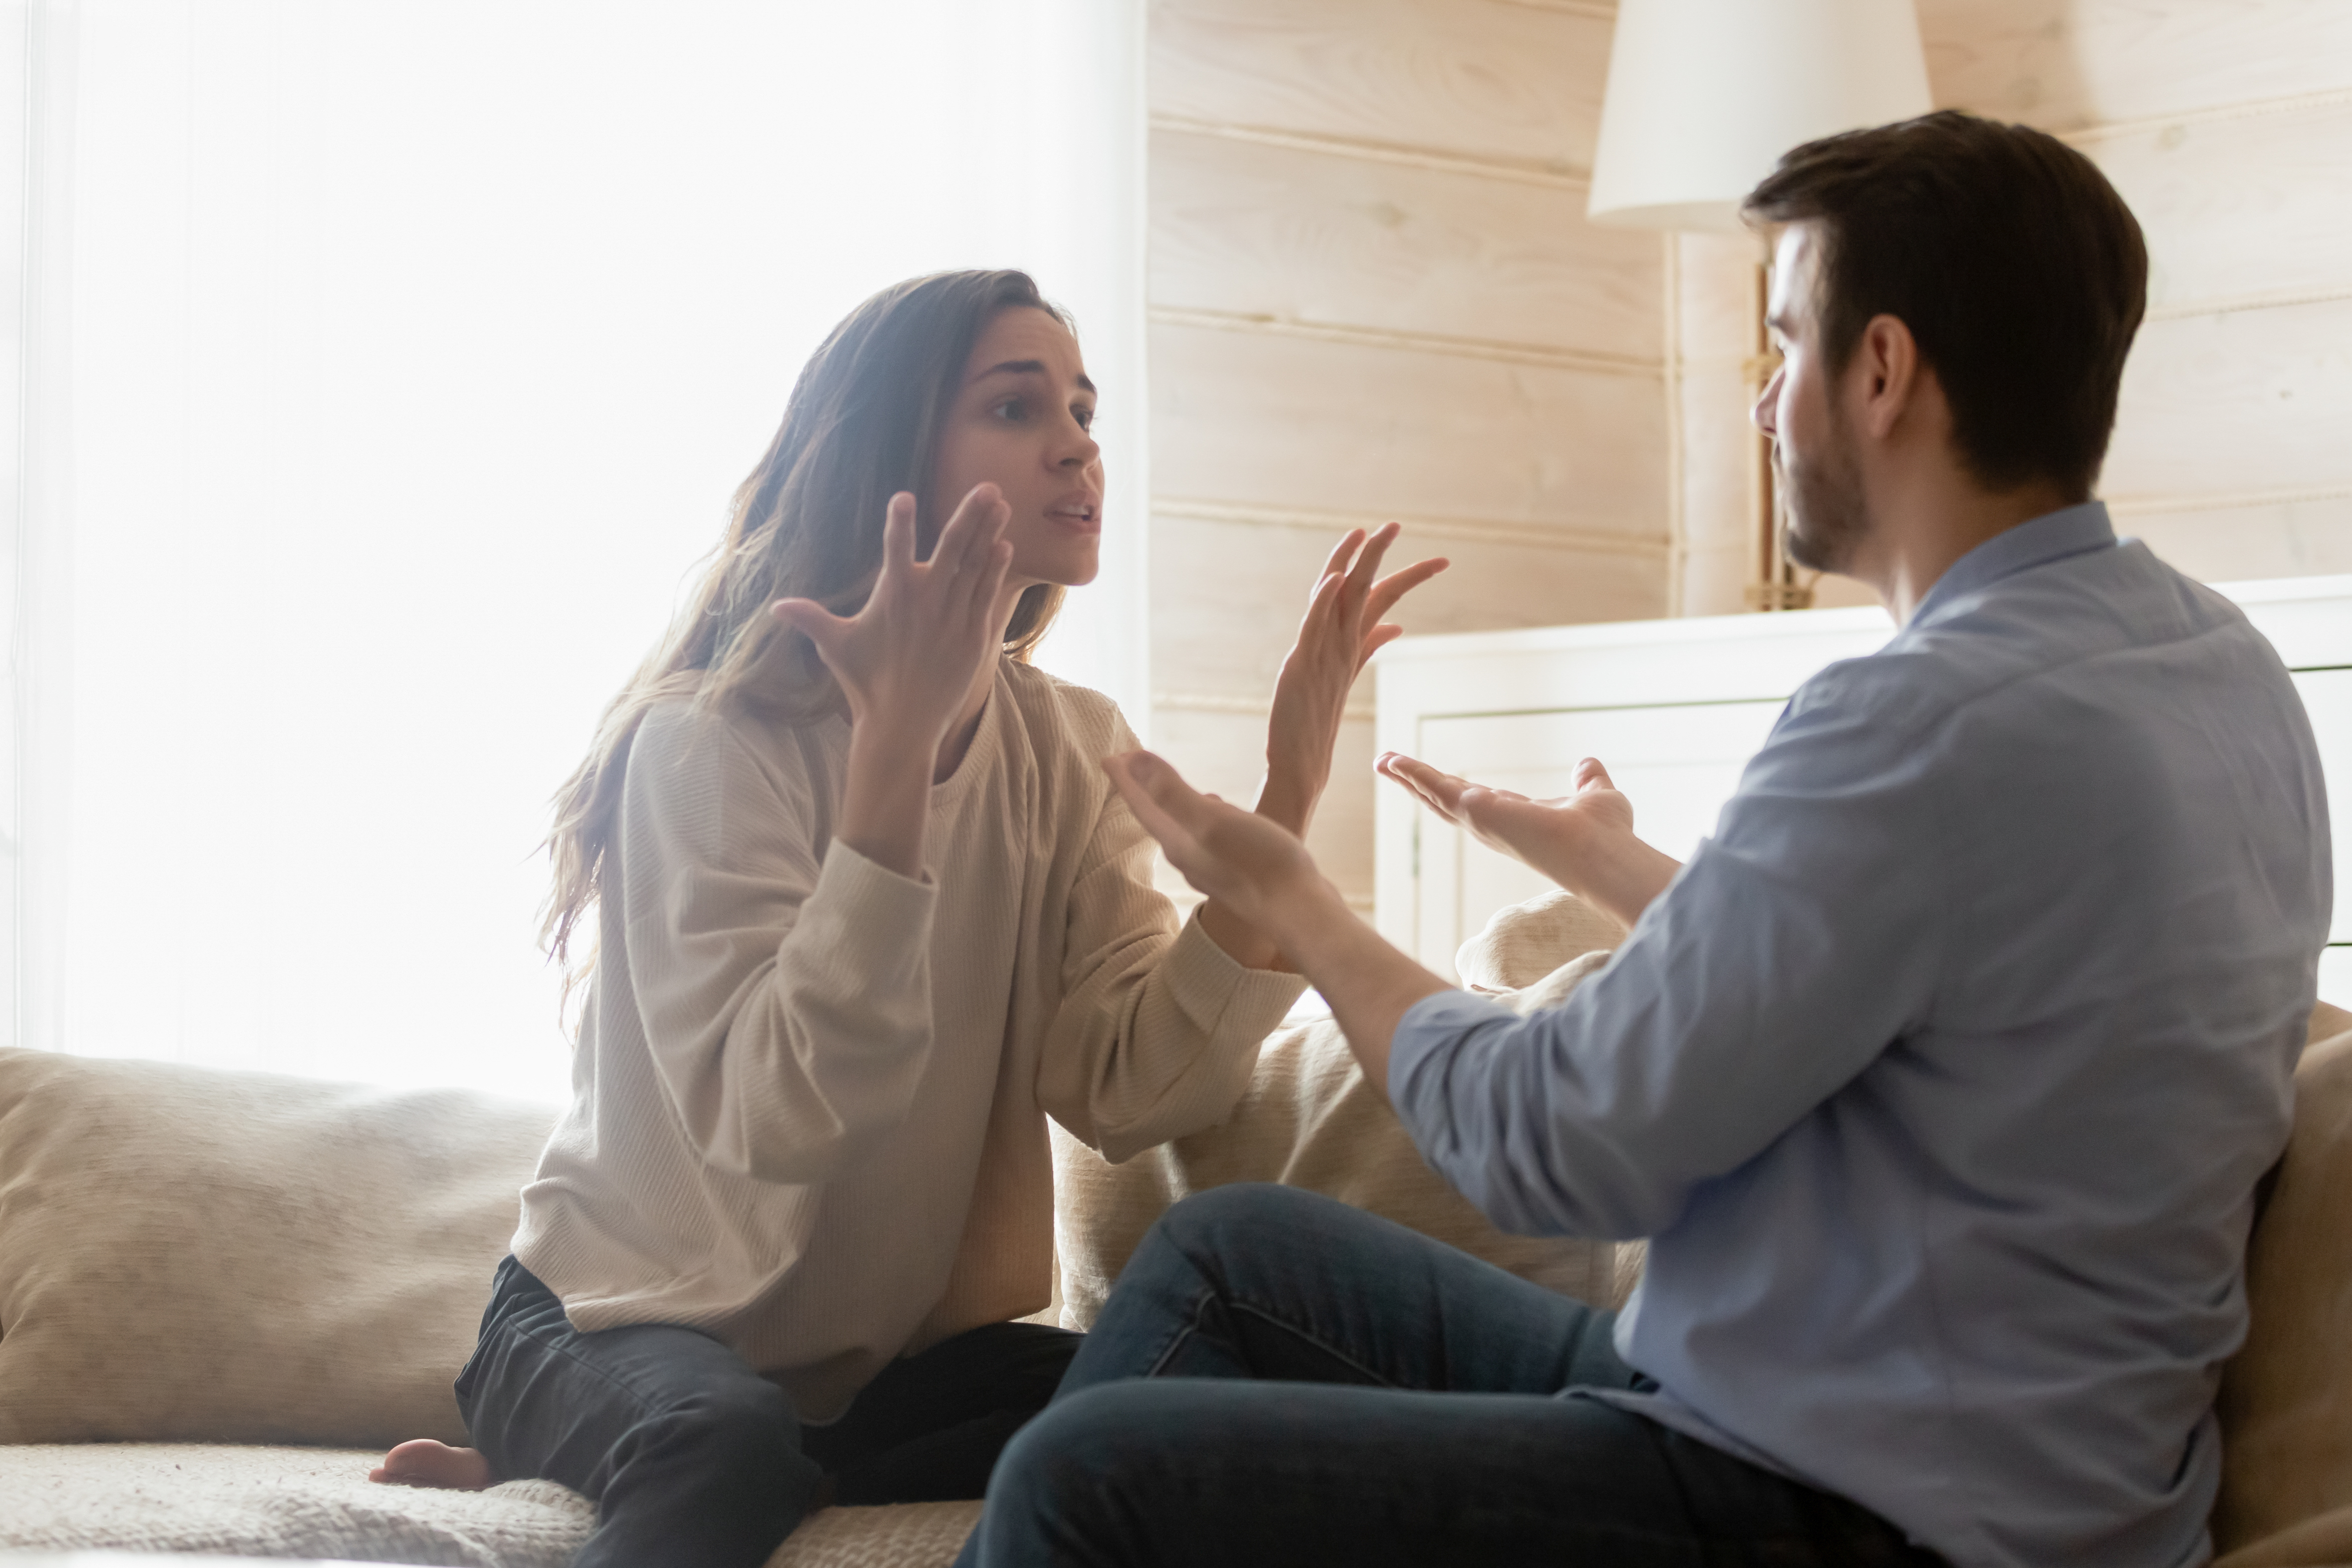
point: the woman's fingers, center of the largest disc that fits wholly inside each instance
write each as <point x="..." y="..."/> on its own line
<point x="1341" y="554"/>
<point x="988" y="581"/>
<point x="1367" y="567"/>
<point x="978" y="518"/>
<point x="1398" y="584"/>
<point x="898" y="537"/>
<point x="812" y="621"/>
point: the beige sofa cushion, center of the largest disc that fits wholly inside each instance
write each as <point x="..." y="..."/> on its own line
<point x="2287" y="1398"/>
<point x="233" y="1257"/>
<point x="275" y="1502"/>
<point x="1309" y="1119"/>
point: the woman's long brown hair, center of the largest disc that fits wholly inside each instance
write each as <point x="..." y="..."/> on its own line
<point x="861" y="425"/>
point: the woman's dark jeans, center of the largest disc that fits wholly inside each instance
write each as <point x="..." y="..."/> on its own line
<point x="695" y="1460"/>
<point x="1280" y="1379"/>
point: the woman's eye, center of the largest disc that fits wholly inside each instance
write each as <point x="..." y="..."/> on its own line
<point x="1008" y="409"/>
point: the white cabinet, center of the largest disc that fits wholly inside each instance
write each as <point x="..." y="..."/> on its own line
<point x="1676" y="708"/>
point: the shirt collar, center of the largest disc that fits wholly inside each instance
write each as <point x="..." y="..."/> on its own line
<point x="2053" y="536"/>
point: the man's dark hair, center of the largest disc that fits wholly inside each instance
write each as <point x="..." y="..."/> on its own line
<point x="2018" y="270"/>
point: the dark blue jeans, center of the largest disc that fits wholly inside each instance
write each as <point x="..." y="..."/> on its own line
<point x="1280" y="1379"/>
<point x="695" y="1460"/>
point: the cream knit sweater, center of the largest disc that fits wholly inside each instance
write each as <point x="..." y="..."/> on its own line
<point x="809" y="1098"/>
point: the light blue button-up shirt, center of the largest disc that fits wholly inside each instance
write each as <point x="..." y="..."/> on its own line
<point x="1941" y="1076"/>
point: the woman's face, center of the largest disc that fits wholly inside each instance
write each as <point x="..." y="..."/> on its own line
<point x="1019" y="421"/>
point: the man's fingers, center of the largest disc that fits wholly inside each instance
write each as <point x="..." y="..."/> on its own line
<point x="1590" y="774"/>
<point x="1158" y="796"/>
<point x="1426" y="783"/>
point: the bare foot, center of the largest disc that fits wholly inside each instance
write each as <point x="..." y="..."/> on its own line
<point x="425" y="1463"/>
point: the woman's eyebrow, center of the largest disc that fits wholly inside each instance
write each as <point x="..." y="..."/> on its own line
<point x="1025" y="367"/>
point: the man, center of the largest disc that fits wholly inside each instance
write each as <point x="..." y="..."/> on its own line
<point x="1941" y="1078"/>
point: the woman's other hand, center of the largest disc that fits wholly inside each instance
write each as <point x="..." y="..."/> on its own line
<point x="910" y="663"/>
<point x="1583" y="840"/>
<point x="908" y="659"/>
<point x="1345" y="625"/>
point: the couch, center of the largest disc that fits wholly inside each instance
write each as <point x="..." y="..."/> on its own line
<point x="222" y="1294"/>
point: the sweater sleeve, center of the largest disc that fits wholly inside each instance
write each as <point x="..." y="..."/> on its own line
<point x="786" y="1000"/>
<point x="1157" y="1035"/>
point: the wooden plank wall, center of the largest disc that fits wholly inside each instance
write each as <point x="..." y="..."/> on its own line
<point x="2226" y="125"/>
<point x="1374" y="295"/>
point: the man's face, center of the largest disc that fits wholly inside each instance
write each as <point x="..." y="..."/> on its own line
<point x="1814" y="454"/>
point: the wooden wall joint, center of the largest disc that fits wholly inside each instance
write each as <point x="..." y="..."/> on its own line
<point x="1470" y="529"/>
<point x="1590" y="360"/>
<point x="1521" y="171"/>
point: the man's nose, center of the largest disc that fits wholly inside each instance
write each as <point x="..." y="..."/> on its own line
<point x="1766" y="411"/>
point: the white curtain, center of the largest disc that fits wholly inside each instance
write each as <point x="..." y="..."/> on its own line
<point x="387" y="364"/>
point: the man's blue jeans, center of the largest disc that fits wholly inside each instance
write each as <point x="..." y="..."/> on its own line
<point x="1280" y="1379"/>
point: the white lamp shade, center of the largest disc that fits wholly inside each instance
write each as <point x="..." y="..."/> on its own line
<point x="1704" y="96"/>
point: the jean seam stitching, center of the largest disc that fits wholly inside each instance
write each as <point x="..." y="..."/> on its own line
<point x="1264" y="1315"/>
<point x="1185" y="1330"/>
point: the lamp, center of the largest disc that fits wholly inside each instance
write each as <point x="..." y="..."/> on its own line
<point x="1704" y="96"/>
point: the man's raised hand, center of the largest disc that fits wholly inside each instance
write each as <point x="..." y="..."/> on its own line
<point x="1583" y="841"/>
<point x="1244" y="861"/>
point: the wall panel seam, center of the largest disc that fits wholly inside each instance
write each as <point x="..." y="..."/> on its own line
<point x="2222" y="501"/>
<point x="1411" y="155"/>
<point x="1240" y="707"/>
<point x="2243" y="109"/>
<point x="1470" y="530"/>
<point x="1599" y="10"/>
<point x="1593" y="362"/>
<point x="2276" y="299"/>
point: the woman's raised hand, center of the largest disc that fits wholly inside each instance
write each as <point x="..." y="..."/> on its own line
<point x="1345" y="625"/>
<point x="908" y="659"/>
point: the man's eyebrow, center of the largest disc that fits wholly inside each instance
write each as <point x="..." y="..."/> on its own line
<point x="1025" y="367"/>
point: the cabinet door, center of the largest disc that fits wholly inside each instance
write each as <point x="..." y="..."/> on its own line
<point x="1677" y="762"/>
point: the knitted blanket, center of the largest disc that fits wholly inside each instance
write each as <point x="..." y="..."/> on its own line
<point x="217" y="1499"/>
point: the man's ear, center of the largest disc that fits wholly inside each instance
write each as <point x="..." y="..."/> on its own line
<point x="1884" y="374"/>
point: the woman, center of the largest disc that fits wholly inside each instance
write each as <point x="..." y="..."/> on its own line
<point x="867" y="910"/>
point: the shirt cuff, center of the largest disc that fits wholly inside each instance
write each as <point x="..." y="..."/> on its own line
<point x="868" y="906"/>
<point x="1218" y="993"/>
<point x="1425" y="1039"/>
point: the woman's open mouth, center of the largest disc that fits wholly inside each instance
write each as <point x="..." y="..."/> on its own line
<point x="1079" y="516"/>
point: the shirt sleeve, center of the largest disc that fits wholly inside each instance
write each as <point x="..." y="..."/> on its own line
<point x="786" y="1001"/>
<point x="1159" y="1027"/>
<point x="1791" y="950"/>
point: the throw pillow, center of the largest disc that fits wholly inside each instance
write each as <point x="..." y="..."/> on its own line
<point x="188" y="1255"/>
<point x="2287" y="1398"/>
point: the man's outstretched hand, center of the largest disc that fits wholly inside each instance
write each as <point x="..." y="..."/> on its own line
<point x="1583" y="840"/>
<point x="1249" y="863"/>
<point x="1261" y="871"/>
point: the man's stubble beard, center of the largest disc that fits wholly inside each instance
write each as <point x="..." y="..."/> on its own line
<point x="1827" y="518"/>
